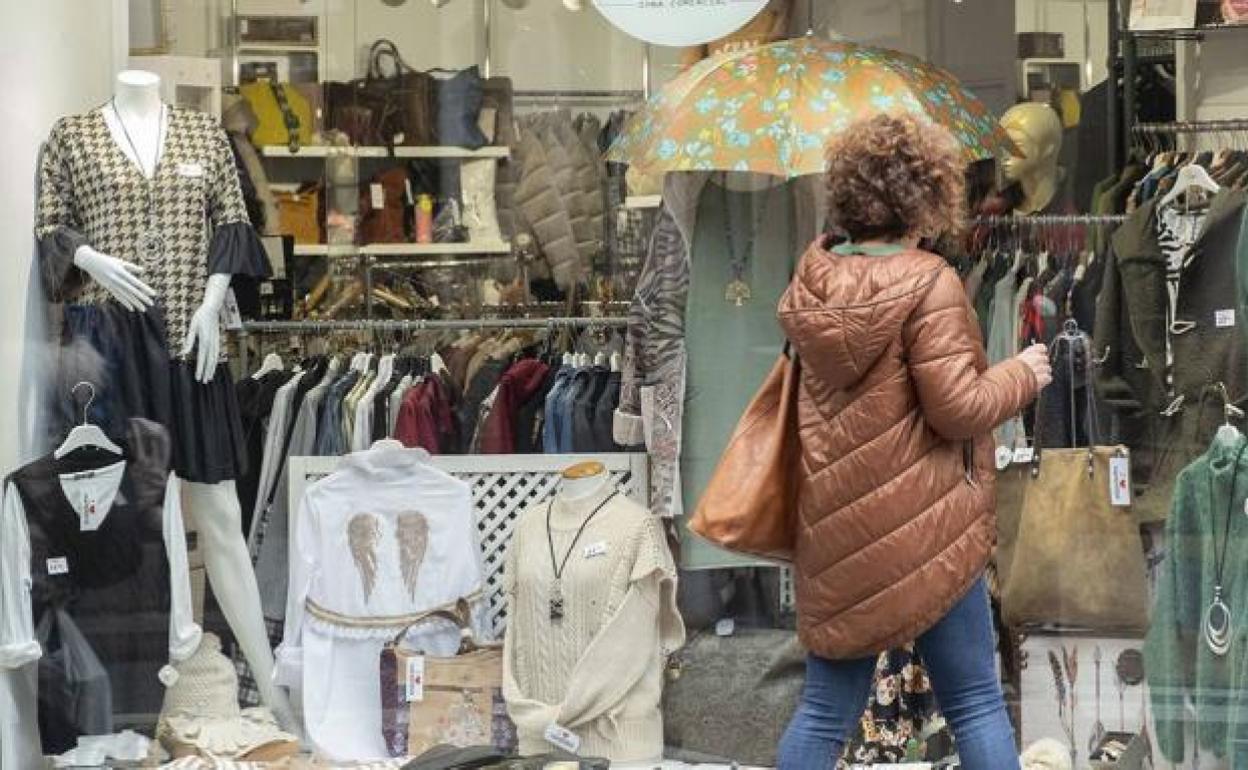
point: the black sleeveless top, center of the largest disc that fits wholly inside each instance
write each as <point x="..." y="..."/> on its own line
<point x="100" y="599"/>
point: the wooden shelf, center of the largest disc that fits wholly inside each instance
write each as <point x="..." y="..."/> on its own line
<point x="400" y="249"/>
<point x="334" y="151"/>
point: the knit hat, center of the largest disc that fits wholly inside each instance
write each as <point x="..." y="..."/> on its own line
<point x="201" y="713"/>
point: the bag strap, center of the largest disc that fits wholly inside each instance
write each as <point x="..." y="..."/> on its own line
<point x="385" y="48"/>
<point x="1075" y="343"/>
<point x="458" y="612"/>
<point x="288" y="117"/>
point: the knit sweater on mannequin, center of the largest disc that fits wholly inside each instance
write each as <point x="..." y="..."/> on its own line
<point x="597" y="671"/>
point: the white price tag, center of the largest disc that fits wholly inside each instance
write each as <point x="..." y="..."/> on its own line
<point x="414" y="678"/>
<point x="563" y="738"/>
<point x="58" y="566"/>
<point x="594" y="550"/>
<point x="1224" y="319"/>
<point x="407" y="188"/>
<point x="191" y="169"/>
<point x="378" y="195"/>
<point x="1120" y="481"/>
<point x="1024" y="455"/>
<point x="725" y="627"/>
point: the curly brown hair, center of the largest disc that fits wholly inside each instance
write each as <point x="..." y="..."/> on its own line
<point x="891" y="177"/>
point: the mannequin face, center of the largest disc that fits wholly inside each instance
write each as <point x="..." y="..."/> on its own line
<point x="1037" y="133"/>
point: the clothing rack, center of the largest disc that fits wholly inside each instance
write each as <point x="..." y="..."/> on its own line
<point x="1050" y="220"/>
<point x="1192" y="127"/>
<point x="459" y="324"/>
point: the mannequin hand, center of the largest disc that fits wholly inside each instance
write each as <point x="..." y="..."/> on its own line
<point x="205" y="328"/>
<point x="1036" y="358"/>
<point x="118" y="277"/>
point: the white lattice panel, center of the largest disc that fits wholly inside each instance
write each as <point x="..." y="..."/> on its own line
<point x="503" y="486"/>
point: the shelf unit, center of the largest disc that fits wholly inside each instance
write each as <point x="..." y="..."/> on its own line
<point x="399" y="249"/>
<point x="314" y="151"/>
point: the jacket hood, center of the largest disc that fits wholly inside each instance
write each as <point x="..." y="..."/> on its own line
<point x="843" y="312"/>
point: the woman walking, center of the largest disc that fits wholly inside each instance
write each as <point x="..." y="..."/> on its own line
<point x="897" y="404"/>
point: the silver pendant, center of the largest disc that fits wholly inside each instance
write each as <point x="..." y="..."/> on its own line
<point x="151" y="246"/>
<point x="738" y="293"/>
<point x="556" y="603"/>
<point x="1217" y="625"/>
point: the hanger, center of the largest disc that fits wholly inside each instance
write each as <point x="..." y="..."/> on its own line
<point x="272" y="363"/>
<point x="1227" y="432"/>
<point x="86" y="434"/>
<point x="617" y="362"/>
<point x="1190" y="176"/>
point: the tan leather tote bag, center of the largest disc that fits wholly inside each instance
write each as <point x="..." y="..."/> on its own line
<point x="1078" y="559"/>
<point x="750" y="504"/>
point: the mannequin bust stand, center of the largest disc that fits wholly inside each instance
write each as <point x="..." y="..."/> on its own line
<point x="583" y="481"/>
<point x="214" y="508"/>
<point x="1037" y="133"/>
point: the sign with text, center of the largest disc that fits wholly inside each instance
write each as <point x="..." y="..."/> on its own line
<point x="679" y="22"/>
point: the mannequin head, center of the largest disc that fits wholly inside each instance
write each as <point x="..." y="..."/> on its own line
<point x="1036" y="131"/>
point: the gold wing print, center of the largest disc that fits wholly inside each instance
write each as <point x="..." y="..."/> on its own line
<point x="412" y="533"/>
<point x="363" y="532"/>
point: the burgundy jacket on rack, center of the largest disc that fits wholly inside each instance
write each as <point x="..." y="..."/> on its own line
<point x="518" y="386"/>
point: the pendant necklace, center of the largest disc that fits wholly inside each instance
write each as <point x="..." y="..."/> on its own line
<point x="556" y="590"/>
<point x="738" y="291"/>
<point x="151" y="246"/>
<point x="1217" y="621"/>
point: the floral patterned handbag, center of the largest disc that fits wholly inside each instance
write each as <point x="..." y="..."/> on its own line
<point x="432" y="701"/>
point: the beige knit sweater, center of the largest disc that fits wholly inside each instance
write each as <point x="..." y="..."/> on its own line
<point x="599" y="671"/>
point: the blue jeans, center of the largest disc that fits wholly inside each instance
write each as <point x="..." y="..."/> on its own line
<point x="959" y="653"/>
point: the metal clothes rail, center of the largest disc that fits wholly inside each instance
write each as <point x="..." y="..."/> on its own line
<point x="1050" y="220"/>
<point x="1192" y="127"/>
<point x="418" y="325"/>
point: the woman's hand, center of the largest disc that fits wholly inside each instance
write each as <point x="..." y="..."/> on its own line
<point x="1036" y="358"/>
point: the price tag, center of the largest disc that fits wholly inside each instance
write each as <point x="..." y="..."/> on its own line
<point x="407" y="188"/>
<point x="594" y="550"/>
<point x="725" y="627"/>
<point x="378" y="195"/>
<point x="563" y="738"/>
<point x="58" y="566"/>
<point x="414" y="678"/>
<point x="1224" y="319"/>
<point x="1024" y="455"/>
<point x="1120" y="481"/>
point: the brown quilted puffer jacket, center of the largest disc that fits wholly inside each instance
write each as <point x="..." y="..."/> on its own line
<point x="896" y="516"/>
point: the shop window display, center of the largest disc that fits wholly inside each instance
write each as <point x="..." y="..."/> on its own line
<point x="381" y="360"/>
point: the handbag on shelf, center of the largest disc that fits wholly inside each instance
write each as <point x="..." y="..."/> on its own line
<point x="299" y="214"/>
<point x="1078" y="558"/>
<point x="385" y="213"/>
<point x="430" y="701"/>
<point x="405" y="100"/>
<point x="460" y="97"/>
<point x="750" y="503"/>
<point x="346" y="110"/>
<point x="284" y="116"/>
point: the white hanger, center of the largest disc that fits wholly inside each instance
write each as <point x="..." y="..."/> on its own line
<point x="1191" y="175"/>
<point x="272" y="363"/>
<point x="617" y="362"/>
<point x="600" y="360"/>
<point x="86" y="434"/>
<point x="1227" y="432"/>
<point x="569" y="359"/>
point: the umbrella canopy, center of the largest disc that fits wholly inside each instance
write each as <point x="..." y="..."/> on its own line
<point x="772" y="109"/>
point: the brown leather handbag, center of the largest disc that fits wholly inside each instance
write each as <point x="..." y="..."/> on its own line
<point x="750" y="504"/>
<point x="391" y="221"/>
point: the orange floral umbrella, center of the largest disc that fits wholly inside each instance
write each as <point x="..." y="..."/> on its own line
<point x="772" y="109"/>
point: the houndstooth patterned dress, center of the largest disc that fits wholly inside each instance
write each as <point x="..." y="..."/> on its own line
<point x="92" y="193"/>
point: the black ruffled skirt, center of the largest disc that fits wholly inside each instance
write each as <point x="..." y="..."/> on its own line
<point x="125" y="357"/>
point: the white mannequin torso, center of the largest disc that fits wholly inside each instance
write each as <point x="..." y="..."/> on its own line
<point x="137" y="111"/>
